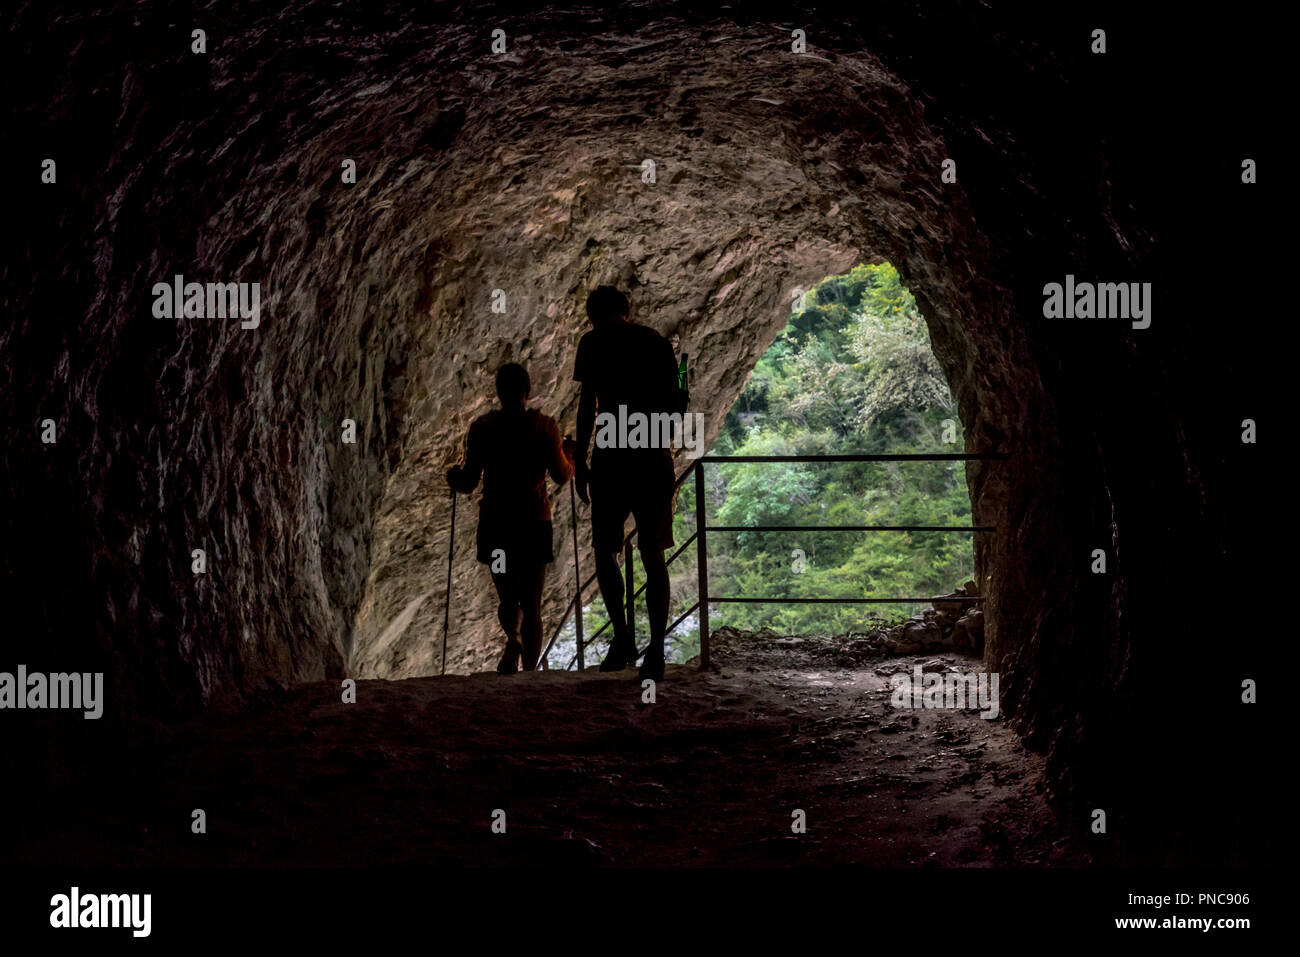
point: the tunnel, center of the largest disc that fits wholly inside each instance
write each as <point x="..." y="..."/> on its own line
<point x="420" y="201"/>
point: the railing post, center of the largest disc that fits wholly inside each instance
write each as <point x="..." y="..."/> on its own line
<point x="631" y="592"/>
<point x="702" y="561"/>
<point x="577" y="576"/>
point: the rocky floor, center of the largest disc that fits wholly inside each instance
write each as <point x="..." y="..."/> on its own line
<point x="584" y="771"/>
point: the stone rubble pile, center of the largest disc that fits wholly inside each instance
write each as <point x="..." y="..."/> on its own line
<point x="955" y="623"/>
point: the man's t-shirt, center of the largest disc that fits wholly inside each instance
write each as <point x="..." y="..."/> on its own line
<point x="630" y="365"/>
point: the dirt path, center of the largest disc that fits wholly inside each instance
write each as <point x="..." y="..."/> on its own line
<point x="586" y="773"/>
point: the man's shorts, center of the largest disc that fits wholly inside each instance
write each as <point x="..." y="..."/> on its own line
<point x="642" y="486"/>
<point x="527" y="541"/>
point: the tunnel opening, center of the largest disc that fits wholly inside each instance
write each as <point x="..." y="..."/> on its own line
<point x="852" y="371"/>
<point x="709" y="234"/>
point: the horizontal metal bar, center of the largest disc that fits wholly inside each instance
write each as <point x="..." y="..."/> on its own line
<point x="838" y="601"/>
<point x="850" y="528"/>
<point x="737" y="459"/>
<point x="900" y="457"/>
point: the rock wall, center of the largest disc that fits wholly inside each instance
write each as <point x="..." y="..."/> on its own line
<point x="523" y="172"/>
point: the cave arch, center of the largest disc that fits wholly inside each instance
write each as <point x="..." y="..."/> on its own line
<point x="747" y="206"/>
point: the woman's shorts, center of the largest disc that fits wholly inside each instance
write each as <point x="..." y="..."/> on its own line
<point x="528" y="541"/>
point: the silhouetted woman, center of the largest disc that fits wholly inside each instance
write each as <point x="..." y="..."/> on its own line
<point x="513" y="448"/>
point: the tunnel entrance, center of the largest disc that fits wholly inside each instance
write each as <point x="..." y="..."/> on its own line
<point x="851" y="372"/>
<point x="760" y="184"/>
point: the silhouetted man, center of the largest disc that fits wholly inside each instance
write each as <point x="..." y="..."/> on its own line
<point x="514" y="447"/>
<point x="626" y="368"/>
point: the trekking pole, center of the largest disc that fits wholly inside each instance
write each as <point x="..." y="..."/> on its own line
<point x="446" y="611"/>
<point x="577" y="576"/>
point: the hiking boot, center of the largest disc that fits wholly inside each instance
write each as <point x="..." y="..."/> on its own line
<point x="622" y="654"/>
<point x="509" y="662"/>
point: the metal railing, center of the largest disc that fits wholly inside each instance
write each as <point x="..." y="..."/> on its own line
<point x="700" y="538"/>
